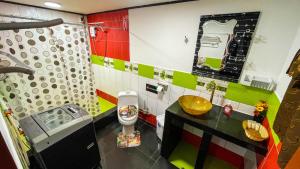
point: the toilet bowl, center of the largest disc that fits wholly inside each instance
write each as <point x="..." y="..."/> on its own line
<point x="128" y="110"/>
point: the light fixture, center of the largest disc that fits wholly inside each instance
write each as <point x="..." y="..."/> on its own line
<point x="52" y="4"/>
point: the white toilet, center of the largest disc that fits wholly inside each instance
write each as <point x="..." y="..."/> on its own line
<point x="128" y="111"/>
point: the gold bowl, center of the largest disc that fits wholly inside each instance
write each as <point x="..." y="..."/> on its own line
<point x="194" y="105"/>
<point x="255" y="131"/>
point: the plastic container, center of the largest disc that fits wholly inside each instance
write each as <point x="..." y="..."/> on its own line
<point x="160" y="126"/>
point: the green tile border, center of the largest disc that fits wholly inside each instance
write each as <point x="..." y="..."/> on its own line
<point x="200" y="84"/>
<point x="105" y="105"/>
<point x="221" y="88"/>
<point x="98" y="60"/>
<point x="119" y="64"/>
<point x="185" y="80"/>
<point x="146" y="71"/>
<point x="250" y="95"/>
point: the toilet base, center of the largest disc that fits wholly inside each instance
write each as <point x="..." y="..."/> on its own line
<point x="128" y="130"/>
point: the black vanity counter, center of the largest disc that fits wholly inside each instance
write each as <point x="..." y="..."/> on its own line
<point x="212" y="123"/>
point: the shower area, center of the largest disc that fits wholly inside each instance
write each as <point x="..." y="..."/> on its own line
<point x="44" y="63"/>
<point x="58" y="67"/>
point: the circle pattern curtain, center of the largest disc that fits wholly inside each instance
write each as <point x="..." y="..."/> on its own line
<point x="60" y="58"/>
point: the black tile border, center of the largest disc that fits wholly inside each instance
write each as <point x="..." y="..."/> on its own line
<point x="243" y="31"/>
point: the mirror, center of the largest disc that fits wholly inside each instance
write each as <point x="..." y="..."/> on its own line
<point x="222" y="45"/>
<point x="214" y="43"/>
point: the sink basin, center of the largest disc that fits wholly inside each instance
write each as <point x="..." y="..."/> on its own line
<point x="194" y="105"/>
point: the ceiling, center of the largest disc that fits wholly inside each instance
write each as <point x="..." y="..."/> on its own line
<point x="91" y="6"/>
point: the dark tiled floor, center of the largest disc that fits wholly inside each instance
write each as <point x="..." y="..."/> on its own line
<point x="145" y="156"/>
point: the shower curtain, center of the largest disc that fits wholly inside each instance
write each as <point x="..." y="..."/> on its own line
<point x="60" y="58"/>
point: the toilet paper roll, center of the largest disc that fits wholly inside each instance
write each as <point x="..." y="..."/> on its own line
<point x="159" y="89"/>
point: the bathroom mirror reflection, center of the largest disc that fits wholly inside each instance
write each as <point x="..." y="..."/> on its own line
<point x="215" y="42"/>
<point x="222" y="45"/>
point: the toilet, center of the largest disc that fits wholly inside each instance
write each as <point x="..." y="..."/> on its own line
<point x="128" y="111"/>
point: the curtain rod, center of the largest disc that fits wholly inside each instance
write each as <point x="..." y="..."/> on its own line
<point x="36" y="19"/>
<point x="30" y="25"/>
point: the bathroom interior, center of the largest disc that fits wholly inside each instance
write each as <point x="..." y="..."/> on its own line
<point x="132" y="84"/>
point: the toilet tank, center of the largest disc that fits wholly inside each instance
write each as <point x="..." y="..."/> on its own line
<point x="127" y="98"/>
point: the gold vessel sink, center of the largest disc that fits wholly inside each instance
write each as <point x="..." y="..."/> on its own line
<point x="194" y="105"/>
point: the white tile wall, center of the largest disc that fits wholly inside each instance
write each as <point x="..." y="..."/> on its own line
<point x="205" y="95"/>
<point x="191" y="92"/>
<point x="96" y="70"/>
<point x="142" y="85"/>
<point x="111" y="85"/>
<point x="247" y="109"/>
<point x="175" y="93"/>
<point x="119" y="83"/>
<point x="143" y="100"/>
<point x="134" y="83"/>
<point x="161" y="107"/>
<point x="106" y="80"/>
<point x="126" y="80"/>
<point x="234" y="104"/>
<point x="152" y="105"/>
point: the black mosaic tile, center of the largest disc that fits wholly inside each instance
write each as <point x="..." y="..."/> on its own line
<point x="245" y="27"/>
<point x="200" y="83"/>
<point x="221" y="88"/>
<point x="169" y="76"/>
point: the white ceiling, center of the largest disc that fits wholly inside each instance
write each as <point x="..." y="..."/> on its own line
<point x="91" y="6"/>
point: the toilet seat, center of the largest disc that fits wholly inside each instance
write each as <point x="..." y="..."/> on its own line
<point x="125" y="110"/>
<point x="127" y="101"/>
<point x="127" y="119"/>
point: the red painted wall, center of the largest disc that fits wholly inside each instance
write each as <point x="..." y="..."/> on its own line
<point x="115" y="37"/>
<point x="270" y="160"/>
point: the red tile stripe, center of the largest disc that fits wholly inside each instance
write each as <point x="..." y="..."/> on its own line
<point x="106" y="96"/>
<point x="270" y="160"/>
<point x="149" y="118"/>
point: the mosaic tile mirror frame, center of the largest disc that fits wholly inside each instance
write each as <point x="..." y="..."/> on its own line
<point x="230" y="47"/>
